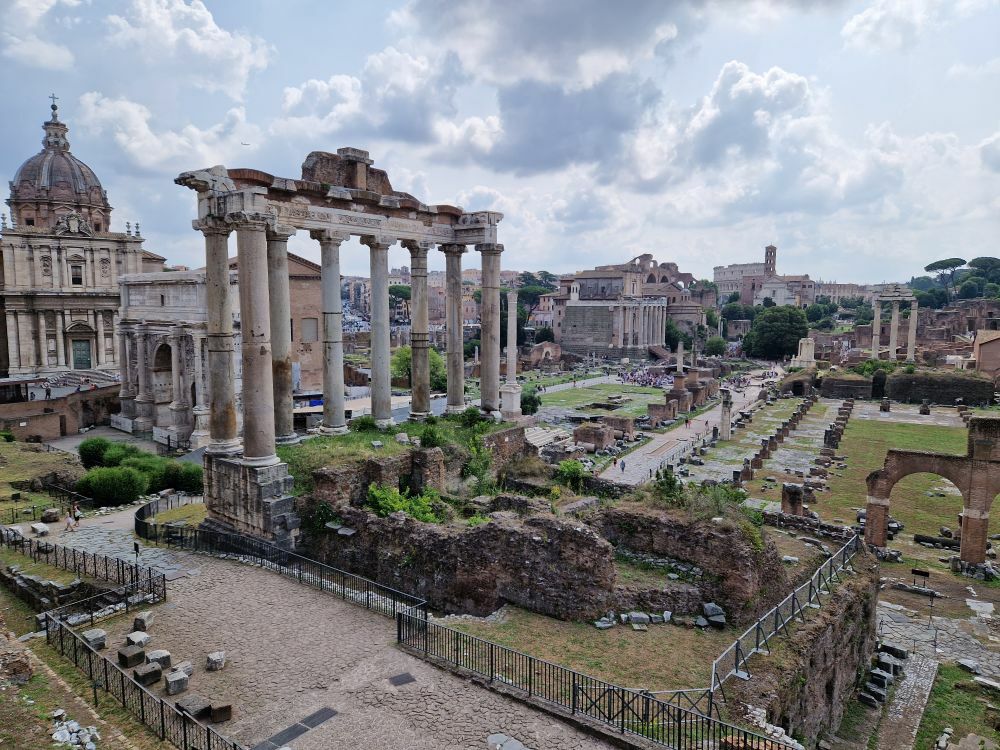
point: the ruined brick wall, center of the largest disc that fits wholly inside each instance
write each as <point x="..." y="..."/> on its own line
<point x="558" y="567"/>
<point x="600" y="436"/>
<point x="939" y="388"/>
<point x="836" y="387"/>
<point x="347" y="484"/>
<point x="507" y="446"/>
<point x="745" y="581"/>
<point x="804" y="685"/>
<point x="625" y="425"/>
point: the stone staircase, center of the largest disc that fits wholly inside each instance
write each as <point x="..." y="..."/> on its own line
<point x="660" y="353"/>
<point x="73" y="378"/>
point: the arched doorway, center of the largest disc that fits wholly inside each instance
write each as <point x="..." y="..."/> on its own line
<point x="162" y="382"/>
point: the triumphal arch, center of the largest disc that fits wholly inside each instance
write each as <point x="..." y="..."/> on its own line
<point x="337" y="196"/>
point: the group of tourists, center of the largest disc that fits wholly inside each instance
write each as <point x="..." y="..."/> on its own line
<point x="645" y="377"/>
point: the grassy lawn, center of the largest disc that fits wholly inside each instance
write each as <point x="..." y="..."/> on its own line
<point x="865" y="445"/>
<point x="190" y="515"/>
<point x="30" y="567"/>
<point x="666" y="657"/>
<point x="639" y="397"/>
<point x="951" y="705"/>
<point x="21" y="462"/>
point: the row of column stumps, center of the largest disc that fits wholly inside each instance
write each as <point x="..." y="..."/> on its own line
<point x="262" y="250"/>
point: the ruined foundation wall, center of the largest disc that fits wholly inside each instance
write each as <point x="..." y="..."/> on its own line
<point x="939" y="388"/>
<point x="806" y="680"/>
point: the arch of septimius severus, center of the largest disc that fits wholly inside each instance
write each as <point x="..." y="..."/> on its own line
<point x="339" y="195"/>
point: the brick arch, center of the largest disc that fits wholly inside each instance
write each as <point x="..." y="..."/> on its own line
<point x="977" y="480"/>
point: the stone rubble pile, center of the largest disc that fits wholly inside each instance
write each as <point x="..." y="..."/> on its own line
<point x="757" y="717"/>
<point x="712" y="614"/>
<point x="70" y="734"/>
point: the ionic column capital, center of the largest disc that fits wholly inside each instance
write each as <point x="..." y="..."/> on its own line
<point x="417" y="248"/>
<point x="211" y="227"/>
<point x="329" y="236"/>
<point x="377" y="241"/>
<point x="280" y="232"/>
<point x="252" y="222"/>
<point x="452" y="249"/>
<point x="489" y="248"/>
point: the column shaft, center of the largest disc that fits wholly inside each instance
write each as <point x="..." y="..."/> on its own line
<point x="511" y="337"/>
<point x="43" y="341"/>
<point x="911" y="339"/>
<point x="60" y="339"/>
<point x="489" y="321"/>
<point x="222" y="423"/>
<point x="876" y="328"/>
<point x="381" y="385"/>
<point x="100" y="344"/>
<point x="333" y="333"/>
<point x="420" y="366"/>
<point x="13" y="350"/>
<point x="124" y="368"/>
<point x="453" y="322"/>
<point x="280" y="304"/>
<point x="143" y="399"/>
<point x="894" y="332"/>
<point x="255" y="344"/>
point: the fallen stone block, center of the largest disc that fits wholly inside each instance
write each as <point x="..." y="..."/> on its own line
<point x="95" y="638"/>
<point x="969" y="665"/>
<point x="40" y="529"/>
<point x="890" y="664"/>
<point x="711" y="609"/>
<point x="881" y="678"/>
<point x="176" y="682"/>
<point x="137" y="638"/>
<point x="215" y="661"/>
<point x="717" y="621"/>
<point x="131" y="656"/>
<point x="222" y="712"/>
<point x="147" y="674"/>
<point x="185" y="666"/>
<point x="194" y="706"/>
<point x="893" y="649"/>
<point x="50" y="515"/>
<point x="638" y="618"/>
<point x="142" y="621"/>
<point x="160" y="656"/>
<point x="876" y="692"/>
<point x="868" y="700"/>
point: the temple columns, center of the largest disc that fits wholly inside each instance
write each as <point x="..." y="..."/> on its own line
<point x="13" y="350"/>
<point x="453" y="322"/>
<point x="143" y="398"/>
<point x="510" y="391"/>
<point x="420" y="373"/>
<point x="43" y="341"/>
<point x="179" y="404"/>
<point x="876" y="327"/>
<point x="334" y="421"/>
<point x="280" y="307"/>
<point x="60" y="339"/>
<point x="255" y="345"/>
<point x="99" y="342"/>
<point x="911" y="339"/>
<point x="894" y="331"/>
<point x="381" y="393"/>
<point x="200" y="434"/>
<point x="221" y="347"/>
<point x="489" y="370"/>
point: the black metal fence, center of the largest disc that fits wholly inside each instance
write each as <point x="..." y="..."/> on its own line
<point x="664" y="722"/>
<point x="348" y="586"/>
<point x="102" y="567"/>
<point x="66" y="496"/>
<point x="160" y="717"/>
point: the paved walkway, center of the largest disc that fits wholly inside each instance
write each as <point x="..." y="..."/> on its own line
<point x="653" y="454"/>
<point x="70" y="443"/>
<point x="898" y="730"/>
<point x="939" y="638"/>
<point x="292" y="651"/>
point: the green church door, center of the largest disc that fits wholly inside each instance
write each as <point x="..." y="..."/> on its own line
<point x="81" y="355"/>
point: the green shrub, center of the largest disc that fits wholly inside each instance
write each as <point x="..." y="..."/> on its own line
<point x="118" y="452"/>
<point x="571" y="473"/>
<point x="387" y="500"/>
<point x="363" y="423"/>
<point x="478" y="520"/>
<point x="92" y="450"/>
<point x="7" y="436"/>
<point x="431" y="419"/>
<point x="117" y="485"/>
<point x="192" y="479"/>
<point x="430" y="437"/>
<point x="530" y="401"/>
<point x="470" y="417"/>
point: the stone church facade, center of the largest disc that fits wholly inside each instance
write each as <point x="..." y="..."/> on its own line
<point x="61" y="264"/>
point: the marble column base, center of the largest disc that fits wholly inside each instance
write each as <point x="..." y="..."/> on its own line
<point x="384" y="423"/>
<point x="452" y="409"/>
<point x="510" y="401"/>
<point x="419" y="416"/>
<point x="324" y="430"/>
<point x="290" y="439"/>
<point x="261" y="461"/>
<point x="224" y="447"/>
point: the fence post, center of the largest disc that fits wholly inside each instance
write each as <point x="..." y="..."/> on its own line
<point x="621" y="700"/>
<point x="573" y="705"/>
<point x="492" y="660"/>
<point x="163" y="722"/>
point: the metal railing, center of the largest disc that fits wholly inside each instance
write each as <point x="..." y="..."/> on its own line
<point x="734" y="661"/>
<point x="146" y="528"/>
<point x="663" y="722"/>
<point x="348" y="586"/>
<point x="79" y="562"/>
<point x="68" y="496"/>
<point x="166" y="721"/>
<point x="21" y="513"/>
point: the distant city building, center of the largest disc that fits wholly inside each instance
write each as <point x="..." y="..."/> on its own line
<point x="730" y="279"/>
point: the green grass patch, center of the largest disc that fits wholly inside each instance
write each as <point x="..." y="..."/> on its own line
<point x="190" y="515"/>
<point x="30" y="567"/>
<point x="954" y="701"/>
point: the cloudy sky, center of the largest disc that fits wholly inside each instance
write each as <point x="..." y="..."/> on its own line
<point x="862" y="137"/>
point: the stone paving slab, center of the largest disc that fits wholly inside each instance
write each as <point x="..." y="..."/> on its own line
<point x="898" y="729"/>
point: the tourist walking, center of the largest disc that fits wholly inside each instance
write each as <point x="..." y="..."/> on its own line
<point x="69" y="521"/>
<point x="622" y="465"/>
<point x="77" y="515"/>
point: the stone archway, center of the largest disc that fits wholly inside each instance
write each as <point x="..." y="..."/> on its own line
<point x="162" y="383"/>
<point x="976" y="475"/>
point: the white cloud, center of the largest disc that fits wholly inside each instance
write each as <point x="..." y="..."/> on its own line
<point x="22" y="42"/>
<point x="989" y="152"/>
<point x="898" y="24"/>
<point x="213" y="58"/>
<point x="167" y="150"/>
<point x="963" y="70"/>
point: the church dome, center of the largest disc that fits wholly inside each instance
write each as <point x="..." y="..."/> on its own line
<point x="54" y="182"/>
